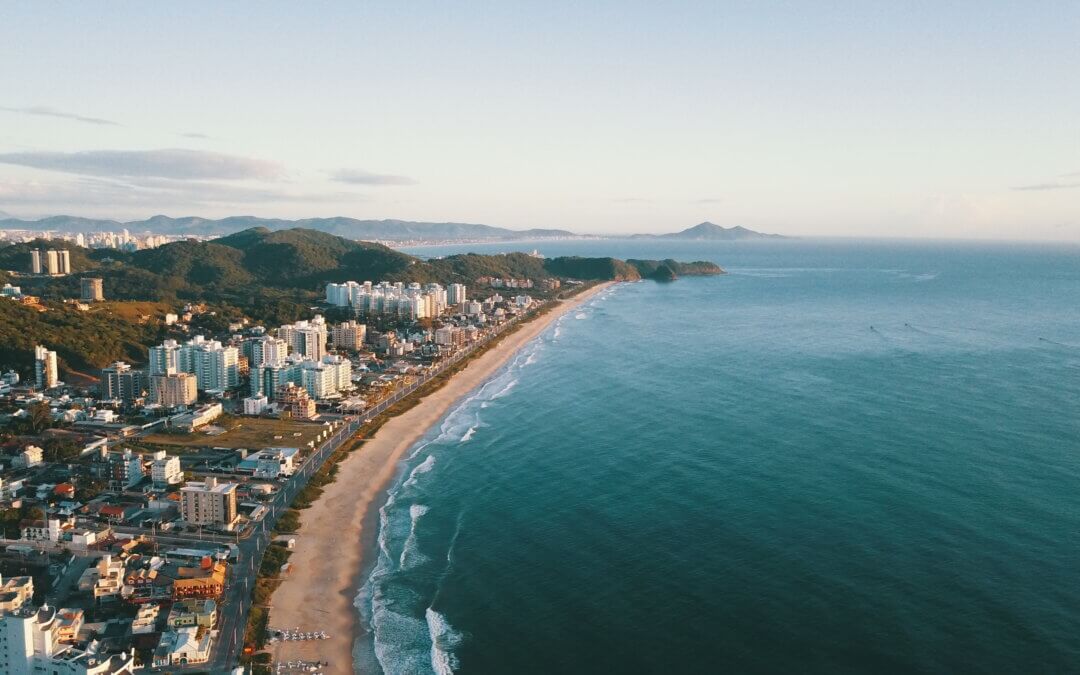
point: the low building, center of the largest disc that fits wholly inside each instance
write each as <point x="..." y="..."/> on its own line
<point x="256" y="405"/>
<point x="199" y="417"/>
<point x="32" y="455"/>
<point x="271" y="463"/>
<point x="200" y="612"/>
<point x="145" y="620"/>
<point x="41" y="530"/>
<point x="185" y="646"/>
<point x="201" y="582"/>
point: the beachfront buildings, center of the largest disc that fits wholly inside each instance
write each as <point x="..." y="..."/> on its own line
<point x="406" y="301"/>
<point x="216" y="367"/>
<point x="208" y="503"/>
<point x="45" y="370"/>
<point x="325" y="378"/>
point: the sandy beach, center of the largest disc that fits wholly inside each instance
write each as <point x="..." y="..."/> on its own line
<point x="328" y="559"/>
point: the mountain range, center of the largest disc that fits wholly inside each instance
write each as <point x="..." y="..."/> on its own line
<point x="350" y="228"/>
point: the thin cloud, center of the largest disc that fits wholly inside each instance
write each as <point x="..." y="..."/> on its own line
<point x="1046" y="186"/>
<point x="175" y="164"/>
<point x="45" y="111"/>
<point x="361" y="177"/>
<point x="631" y="200"/>
<point x="154" y="193"/>
<point x="197" y="135"/>
<point x="710" y="200"/>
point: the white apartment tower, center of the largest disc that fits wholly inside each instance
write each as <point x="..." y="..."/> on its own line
<point x="45" y="368"/>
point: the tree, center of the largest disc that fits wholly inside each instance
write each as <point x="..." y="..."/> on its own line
<point x="40" y="416"/>
<point x="60" y="450"/>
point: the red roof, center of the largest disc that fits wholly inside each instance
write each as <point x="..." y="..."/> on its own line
<point x="64" y="489"/>
<point x="113" y="510"/>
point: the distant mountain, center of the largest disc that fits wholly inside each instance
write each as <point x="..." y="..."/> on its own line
<point x="712" y="232"/>
<point x="351" y="228"/>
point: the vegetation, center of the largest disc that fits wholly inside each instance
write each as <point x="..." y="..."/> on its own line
<point x="82" y="340"/>
<point x="667" y="270"/>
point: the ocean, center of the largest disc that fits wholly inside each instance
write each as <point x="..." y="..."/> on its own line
<point x="841" y="457"/>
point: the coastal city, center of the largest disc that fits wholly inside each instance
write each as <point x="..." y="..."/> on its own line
<point x="149" y="512"/>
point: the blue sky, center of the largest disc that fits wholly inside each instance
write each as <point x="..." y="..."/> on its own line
<point x="939" y="119"/>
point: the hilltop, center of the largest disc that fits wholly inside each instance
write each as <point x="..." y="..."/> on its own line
<point x="381" y="230"/>
<point x="712" y="232"/>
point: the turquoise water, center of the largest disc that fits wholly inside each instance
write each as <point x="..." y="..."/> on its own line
<point x="840" y="457"/>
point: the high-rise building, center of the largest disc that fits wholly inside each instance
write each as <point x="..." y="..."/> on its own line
<point x="176" y="389"/>
<point x="209" y="503"/>
<point x="215" y="366"/>
<point x="119" y="382"/>
<point x="348" y="335"/>
<point x="456" y="294"/>
<point x="45" y="368"/>
<point x="91" y="289"/>
<point x="263" y="350"/>
<point x="165" y="470"/>
<point x="306" y="339"/>
<point x="52" y="261"/>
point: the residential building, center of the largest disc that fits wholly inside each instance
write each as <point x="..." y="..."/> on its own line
<point x="165" y="470"/>
<point x="208" y="503"/>
<point x="264" y="349"/>
<point x="307" y="339"/>
<point x="348" y="335"/>
<point x="120" y="382"/>
<point x="270" y="463"/>
<point x="185" y="646"/>
<point x="193" y="612"/>
<point x="294" y="402"/>
<point x="256" y="405"/>
<point x="411" y="301"/>
<point x="91" y="289"/>
<point x="30" y="644"/>
<point x="199" y="417"/>
<point x="15" y="592"/>
<point x="52" y="261"/>
<point x="31" y="455"/>
<point x="125" y="469"/>
<point x="175" y="390"/>
<point x="41" y="530"/>
<point x="456" y="294"/>
<point x="45" y="369"/>
<point x="216" y="367"/>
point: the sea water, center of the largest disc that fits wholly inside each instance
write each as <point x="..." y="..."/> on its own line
<point x="840" y="457"/>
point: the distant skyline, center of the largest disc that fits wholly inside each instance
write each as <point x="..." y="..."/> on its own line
<point x="928" y="119"/>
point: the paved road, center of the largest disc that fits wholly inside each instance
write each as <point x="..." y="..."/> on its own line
<point x="236" y="601"/>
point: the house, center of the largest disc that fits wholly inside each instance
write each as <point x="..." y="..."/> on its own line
<point x="184" y="646"/>
<point x="145" y="619"/>
<point x="271" y="463"/>
<point x="42" y="530"/>
<point x="68" y="623"/>
<point x="31" y="456"/>
<point x="206" y="581"/>
<point x="193" y="612"/>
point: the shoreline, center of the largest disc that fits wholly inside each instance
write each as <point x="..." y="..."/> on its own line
<point x="338" y="531"/>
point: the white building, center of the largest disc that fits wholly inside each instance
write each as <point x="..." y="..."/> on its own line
<point x="48" y="376"/>
<point x="389" y="299"/>
<point x="31" y="455"/>
<point x="306" y="339"/>
<point x="256" y="405"/>
<point x="456" y="294"/>
<point x="165" y="470"/>
<point x="216" y="367"/>
<point x="265" y="349"/>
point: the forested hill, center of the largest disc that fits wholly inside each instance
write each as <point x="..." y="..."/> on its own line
<point x="271" y="277"/>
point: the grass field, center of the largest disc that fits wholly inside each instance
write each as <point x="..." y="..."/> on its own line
<point x="246" y="432"/>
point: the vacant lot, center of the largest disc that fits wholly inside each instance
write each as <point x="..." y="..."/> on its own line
<point x="245" y="432"/>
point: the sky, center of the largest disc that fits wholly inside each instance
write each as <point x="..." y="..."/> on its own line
<point x="868" y="118"/>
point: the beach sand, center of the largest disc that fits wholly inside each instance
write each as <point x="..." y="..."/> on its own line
<point x="328" y="562"/>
